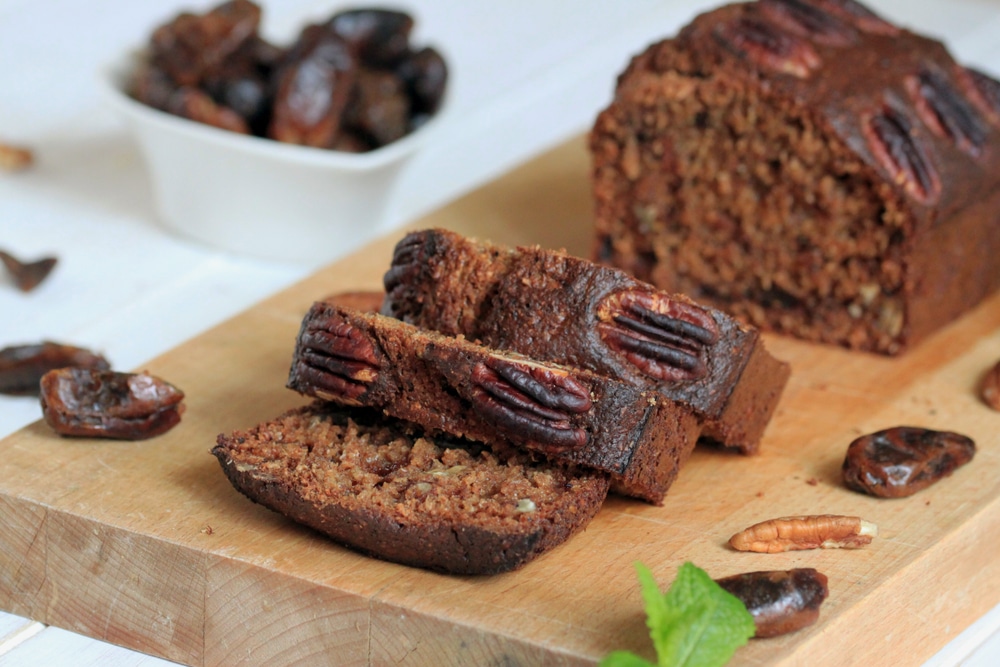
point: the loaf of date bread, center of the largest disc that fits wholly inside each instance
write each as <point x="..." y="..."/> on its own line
<point x="554" y="307"/>
<point x="381" y="487"/>
<point x="451" y="386"/>
<point x="808" y="166"/>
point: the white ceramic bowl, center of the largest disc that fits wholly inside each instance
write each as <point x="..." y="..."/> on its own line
<point x="257" y="196"/>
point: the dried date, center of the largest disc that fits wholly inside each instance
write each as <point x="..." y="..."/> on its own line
<point x="152" y="86"/>
<point x="22" y="366"/>
<point x="780" y="601"/>
<point x="27" y="275"/>
<point x="532" y="401"/>
<point x="893" y="144"/>
<point x="425" y="74"/>
<point x="379" y="107"/>
<point x="351" y="83"/>
<point x="666" y="339"/>
<point x="105" y="404"/>
<point x="379" y="37"/>
<point x="901" y="461"/>
<point x="313" y="89"/>
<point x="196" y="105"/>
<point x="795" y="533"/>
<point x="192" y="46"/>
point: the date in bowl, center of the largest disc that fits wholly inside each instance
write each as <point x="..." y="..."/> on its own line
<point x="255" y="196"/>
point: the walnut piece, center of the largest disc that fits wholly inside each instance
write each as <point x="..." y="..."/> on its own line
<point x="794" y="533"/>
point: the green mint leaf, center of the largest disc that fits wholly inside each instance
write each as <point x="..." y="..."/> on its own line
<point x="697" y="623"/>
<point x="624" y="659"/>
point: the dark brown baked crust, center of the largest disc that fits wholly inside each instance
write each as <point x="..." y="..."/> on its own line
<point x="554" y="307"/>
<point x="452" y="386"/>
<point x="808" y="167"/>
<point x="378" y="486"/>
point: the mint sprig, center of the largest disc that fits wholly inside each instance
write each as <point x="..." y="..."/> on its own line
<point x="695" y="624"/>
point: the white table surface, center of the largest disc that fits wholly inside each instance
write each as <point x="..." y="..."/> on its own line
<point x="526" y="74"/>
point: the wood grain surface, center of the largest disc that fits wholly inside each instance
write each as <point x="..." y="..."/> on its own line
<point x="146" y="545"/>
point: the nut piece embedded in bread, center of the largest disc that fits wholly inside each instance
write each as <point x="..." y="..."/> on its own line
<point x="452" y="386"/>
<point x="381" y="487"/>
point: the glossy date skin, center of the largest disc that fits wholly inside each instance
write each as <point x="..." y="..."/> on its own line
<point x="901" y="461"/>
<point x="22" y="366"/>
<point x="780" y="601"/>
<point x="105" y="404"/>
<point x="350" y="83"/>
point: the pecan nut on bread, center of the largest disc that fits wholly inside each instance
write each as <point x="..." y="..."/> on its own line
<point x="380" y="487"/>
<point x="807" y="166"/>
<point x="563" y="309"/>
<point x="452" y="386"/>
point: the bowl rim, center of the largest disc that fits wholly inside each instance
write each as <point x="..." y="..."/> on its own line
<point x="112" y="77"/>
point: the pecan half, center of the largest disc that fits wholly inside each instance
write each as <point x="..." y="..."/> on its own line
<point x="900" y="461"/>
<point x="891" y="141"/>
<point x="106" y="404"/>
<point x="989" y="388"/>
<point x="858" y="15"/>
<point x="945" y="111"/>
<point x="806" y="20"/>
<point x="27" y="275"/>
<point x="780" y="601"/>
<point x="664" y="338"/>
<point x="22" y="366"/>
<point x="793" y="533"/>
<point x="765" y="45"/>
<point x="983" y="90"/>
<point x="344" y="359"/>
<point x="408" y="258"/>
<point x="15" y="158"/>
<point x="532" y="401"/>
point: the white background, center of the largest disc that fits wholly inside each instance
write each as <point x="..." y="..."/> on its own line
<point x="525" y="76"/>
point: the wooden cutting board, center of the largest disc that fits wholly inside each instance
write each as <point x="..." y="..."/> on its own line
<point x="146" y="545"/>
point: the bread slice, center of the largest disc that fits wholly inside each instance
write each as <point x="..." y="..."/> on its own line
<point x="380" y="487"/>
<point x="555" y="307"/>
<point x="451" y="386"/>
